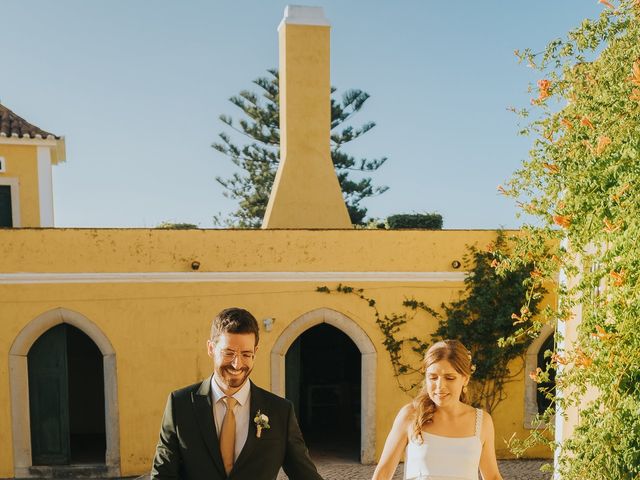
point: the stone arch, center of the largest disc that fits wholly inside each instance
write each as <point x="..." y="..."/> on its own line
<point x="531" y="387"/>
<point x="368" y="368"/>
<point x="19" y="384"/>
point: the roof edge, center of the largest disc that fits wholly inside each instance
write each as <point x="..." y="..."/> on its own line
<point x="56" y="144"/>
<point x="14" y="126"/>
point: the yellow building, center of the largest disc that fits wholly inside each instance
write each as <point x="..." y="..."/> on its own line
<point x="26" y="156"/>
<point x="114" y="319"/>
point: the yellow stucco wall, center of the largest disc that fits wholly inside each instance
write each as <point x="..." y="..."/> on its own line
<point x="157" y="250"/>
<point x="158" y="329"/>
<point x="22" y="163"/>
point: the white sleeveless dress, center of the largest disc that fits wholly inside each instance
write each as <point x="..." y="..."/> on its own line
<point x="444" y="458"/>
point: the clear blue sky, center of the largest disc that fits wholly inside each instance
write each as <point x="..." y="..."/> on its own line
<point x="136" y="88"/>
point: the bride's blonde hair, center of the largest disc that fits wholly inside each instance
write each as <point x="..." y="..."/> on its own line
<point x="460" y="358"/>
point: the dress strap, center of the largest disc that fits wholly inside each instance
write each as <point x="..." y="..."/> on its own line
<point x="479" y="413"/>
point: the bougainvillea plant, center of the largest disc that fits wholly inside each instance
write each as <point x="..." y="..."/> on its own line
<point x="581" y="183"/>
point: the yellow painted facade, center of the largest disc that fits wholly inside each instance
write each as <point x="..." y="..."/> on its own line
<point x="22" y="164"/>
<point x="27" y="164"/>
<point x="158" y="325"/>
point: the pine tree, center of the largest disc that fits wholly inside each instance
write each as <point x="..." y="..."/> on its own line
<point x="258" y="160"/>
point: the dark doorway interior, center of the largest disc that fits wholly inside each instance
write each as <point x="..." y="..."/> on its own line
<point x="543" y="362"/>
<point x="66" y="398"/>
<point x="323" y="380"/>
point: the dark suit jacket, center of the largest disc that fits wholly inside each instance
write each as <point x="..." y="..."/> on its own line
<point x="188" y="447"/>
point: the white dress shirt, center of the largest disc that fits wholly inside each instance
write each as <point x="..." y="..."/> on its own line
<point x="241" y="410"/>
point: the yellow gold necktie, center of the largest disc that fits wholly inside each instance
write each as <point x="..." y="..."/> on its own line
<point x="228" y="435"/>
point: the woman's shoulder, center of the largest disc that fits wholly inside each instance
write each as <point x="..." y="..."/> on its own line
<point x="486" y="416"/>
<point x="468" y="412"/>
<point x="486" y="428"/>
<point x="406" y="413"/>
<point x="470" y="409"/>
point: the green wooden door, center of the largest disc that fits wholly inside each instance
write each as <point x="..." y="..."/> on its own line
<point x="49" y="398"/>
<point x="6" y="218"/>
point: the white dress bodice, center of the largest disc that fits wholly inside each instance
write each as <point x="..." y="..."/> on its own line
<point x="444" y="458"/>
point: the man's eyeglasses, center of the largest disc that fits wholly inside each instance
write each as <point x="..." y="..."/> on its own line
<point x="230" y="355"/>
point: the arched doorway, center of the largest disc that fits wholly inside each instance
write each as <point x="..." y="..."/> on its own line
<point x="323" y="382"/>
<point x="368" y="359"/>
<point x="535" y="402"/>
<point x="543" y="363"/>
<point x="83" y="342"/>
<point x="66" y="398"/>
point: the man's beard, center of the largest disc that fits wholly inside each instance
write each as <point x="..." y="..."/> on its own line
<point x="233" y="381"/>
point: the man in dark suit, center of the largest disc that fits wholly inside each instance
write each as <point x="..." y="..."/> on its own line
<point x="226" y="427"/>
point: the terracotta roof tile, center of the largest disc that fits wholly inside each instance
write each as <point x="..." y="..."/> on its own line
<point x="11" y="125"/>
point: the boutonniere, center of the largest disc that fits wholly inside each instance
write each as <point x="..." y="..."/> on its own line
<point x="261" y="421"/>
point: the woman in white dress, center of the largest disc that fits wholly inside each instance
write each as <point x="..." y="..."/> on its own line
<point x="444" y="437"/>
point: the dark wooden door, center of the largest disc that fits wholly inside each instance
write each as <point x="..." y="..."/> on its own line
<point x="49" y="398"/>
<point x="6" y="217"/>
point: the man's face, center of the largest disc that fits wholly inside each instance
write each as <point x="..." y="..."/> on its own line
<point x="233" y="356"/>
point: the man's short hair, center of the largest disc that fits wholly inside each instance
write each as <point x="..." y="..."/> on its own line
<point x="234" y="320"/>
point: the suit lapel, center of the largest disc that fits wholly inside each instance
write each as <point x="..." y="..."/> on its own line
<point x="255" y="403"/>
<point x="204" y="413"/>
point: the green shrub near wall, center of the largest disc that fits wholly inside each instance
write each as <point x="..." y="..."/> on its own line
<point x="426" y="221"/>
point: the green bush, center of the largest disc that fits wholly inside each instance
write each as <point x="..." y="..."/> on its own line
<point x="177" y="226"/>
<point x="426" y="221"/>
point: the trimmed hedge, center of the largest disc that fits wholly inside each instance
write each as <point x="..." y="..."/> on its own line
<point x="427" y="221"/>
<point x="177" y="226"/>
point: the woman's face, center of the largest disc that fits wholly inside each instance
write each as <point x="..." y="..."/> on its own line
<point x="444" y="383"/>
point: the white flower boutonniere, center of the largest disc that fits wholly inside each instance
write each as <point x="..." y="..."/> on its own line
<point x="262" y="422"/>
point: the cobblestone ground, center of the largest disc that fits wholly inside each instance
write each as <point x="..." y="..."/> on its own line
<point x="336" y="469"/>
<point x="510" y="470"/>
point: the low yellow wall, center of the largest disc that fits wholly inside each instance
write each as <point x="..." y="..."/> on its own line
<point x="157" y="250"/>
<point x="158" y="329"/>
